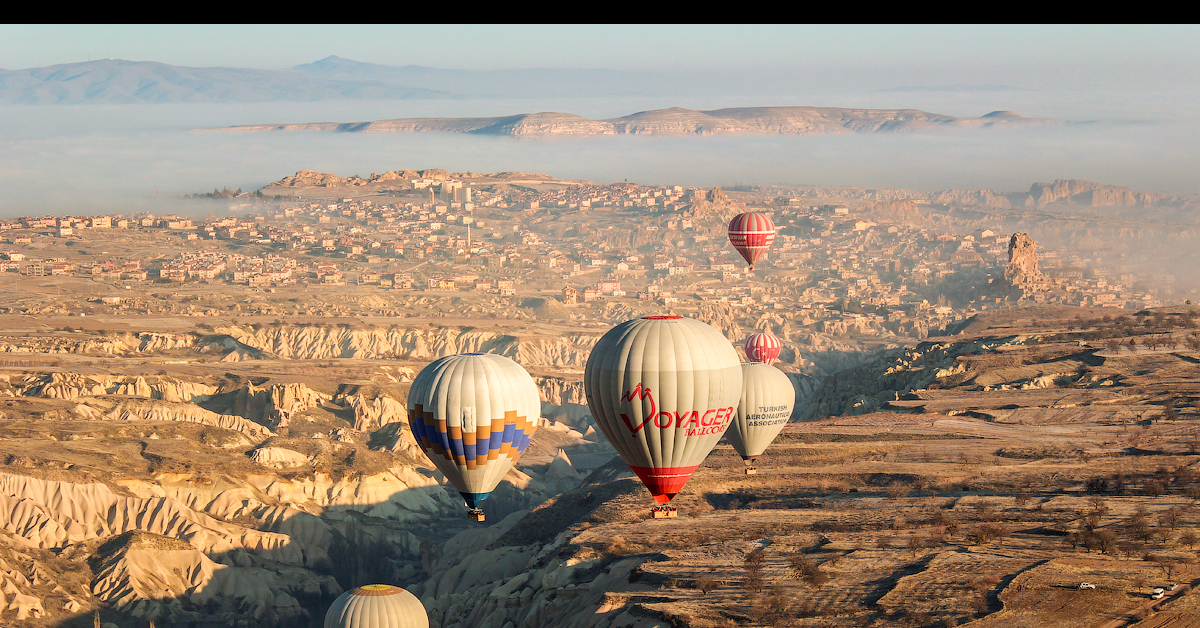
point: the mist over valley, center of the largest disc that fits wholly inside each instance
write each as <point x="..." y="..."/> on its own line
<point x="233" y="297"/>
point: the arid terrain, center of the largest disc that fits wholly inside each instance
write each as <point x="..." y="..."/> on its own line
<point x="203" y="420"/>
<point x="147" y="477"/>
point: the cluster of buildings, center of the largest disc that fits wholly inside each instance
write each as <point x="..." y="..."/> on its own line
<point x="829" y="268"/>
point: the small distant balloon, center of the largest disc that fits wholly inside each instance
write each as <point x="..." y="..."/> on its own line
<point x="377" y="606"/>
<point x="751" y="234"/>
<point x="473" y="415"/>
<point x="762" y="347"/>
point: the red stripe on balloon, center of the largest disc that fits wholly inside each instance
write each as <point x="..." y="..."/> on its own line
<point x="664" y="482"/>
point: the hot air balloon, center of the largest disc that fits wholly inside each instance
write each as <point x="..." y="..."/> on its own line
<point x="662" y="390"/>
<point x="377" y="606"/>
<point x="752" y="234"/>
<point x="765" y="407"/>
<point x="473" y="414"/>
<point x="762" y="347"/>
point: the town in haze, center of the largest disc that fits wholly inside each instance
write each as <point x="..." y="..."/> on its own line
<point x="523" y="235"/>
<point x="572" y="326"/>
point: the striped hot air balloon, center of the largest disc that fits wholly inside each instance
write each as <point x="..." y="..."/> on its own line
<point x="377" y="606"/>
<point x="662" y="390"/>
<point x="765" y="407"/>
<point x="473" y="414"/>
<point x="752" y="234"/>
<point x="762" y="347"/>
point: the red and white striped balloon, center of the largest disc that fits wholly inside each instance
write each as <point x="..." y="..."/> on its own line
<point x="762" y="347"/>
<point x="752" y="234"/>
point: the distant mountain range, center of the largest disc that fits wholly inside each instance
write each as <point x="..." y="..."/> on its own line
<point x="333" y="78"/>
<point x="125" y="82"/>
<point x="678" y="121"/>
<point x="115" y="81"/>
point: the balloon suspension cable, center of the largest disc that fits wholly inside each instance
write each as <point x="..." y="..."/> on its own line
<point x="664" y="512"/>
<point x="476" y="514"/>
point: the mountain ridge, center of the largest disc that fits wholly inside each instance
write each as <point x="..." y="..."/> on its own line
<point x="786" y="120"/>
<point x="118" y="81"/>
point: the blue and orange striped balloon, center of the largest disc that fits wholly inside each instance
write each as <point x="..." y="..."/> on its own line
<point x="473" y="415"/>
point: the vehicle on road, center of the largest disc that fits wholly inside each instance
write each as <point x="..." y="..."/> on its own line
<point x="1086" y="585"/>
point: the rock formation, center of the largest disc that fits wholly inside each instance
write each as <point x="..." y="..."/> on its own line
<point x="1079" y="192"/>
<point x="713" y="213"/>
<point x="678" y="121"/>
<point x="311" y="178"/>
<point x="1022" y="273"/>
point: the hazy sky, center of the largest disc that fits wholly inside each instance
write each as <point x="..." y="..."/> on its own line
<point x="979" y="54"/>
<point x="1137" y="83"/>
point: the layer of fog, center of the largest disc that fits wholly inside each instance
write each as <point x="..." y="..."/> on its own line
<point x="82" y="159"/>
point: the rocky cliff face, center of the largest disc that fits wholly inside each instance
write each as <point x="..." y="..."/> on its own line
<point x="1077" y="192"/>
<point x="680" y="121"/>
<point x="68" y="385"/>
<point x="315" y="343"/>
<point x="869" y="386"/>
<point x="179" y="550"/>
<point x="546" y="124"/>
<point x="113" y="345"/>
<point x="118" y="409"/>
<point x="990" y="199"/>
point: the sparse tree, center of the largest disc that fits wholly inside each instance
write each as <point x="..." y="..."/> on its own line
<point x="775" y="604"/>
<point x="1106" y="541"/>
<point x="1170" y="518"/>
<point x="752" y="583"/>
<point x="986" y="510"/>
<point x="1170" y="567"/>
<point x="807" y="570"/>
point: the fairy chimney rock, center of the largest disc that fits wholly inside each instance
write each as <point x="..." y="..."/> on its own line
<point x="1022" y="271"/>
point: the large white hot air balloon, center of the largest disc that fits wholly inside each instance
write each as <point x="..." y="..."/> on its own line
<point x="766" y="405"/>
<point x="473" y="415"/>
<point x="377" y="606"/>
<point x="662" y="390"/>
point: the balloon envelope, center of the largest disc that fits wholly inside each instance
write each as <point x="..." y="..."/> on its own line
<point x="473" y="415"/>
<point x="377" y="606"/>
<point x="765" y="407"/>
<point x="762" y="347"/>
<point x="752" y="234"/>
<point x="662" y="390"/>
